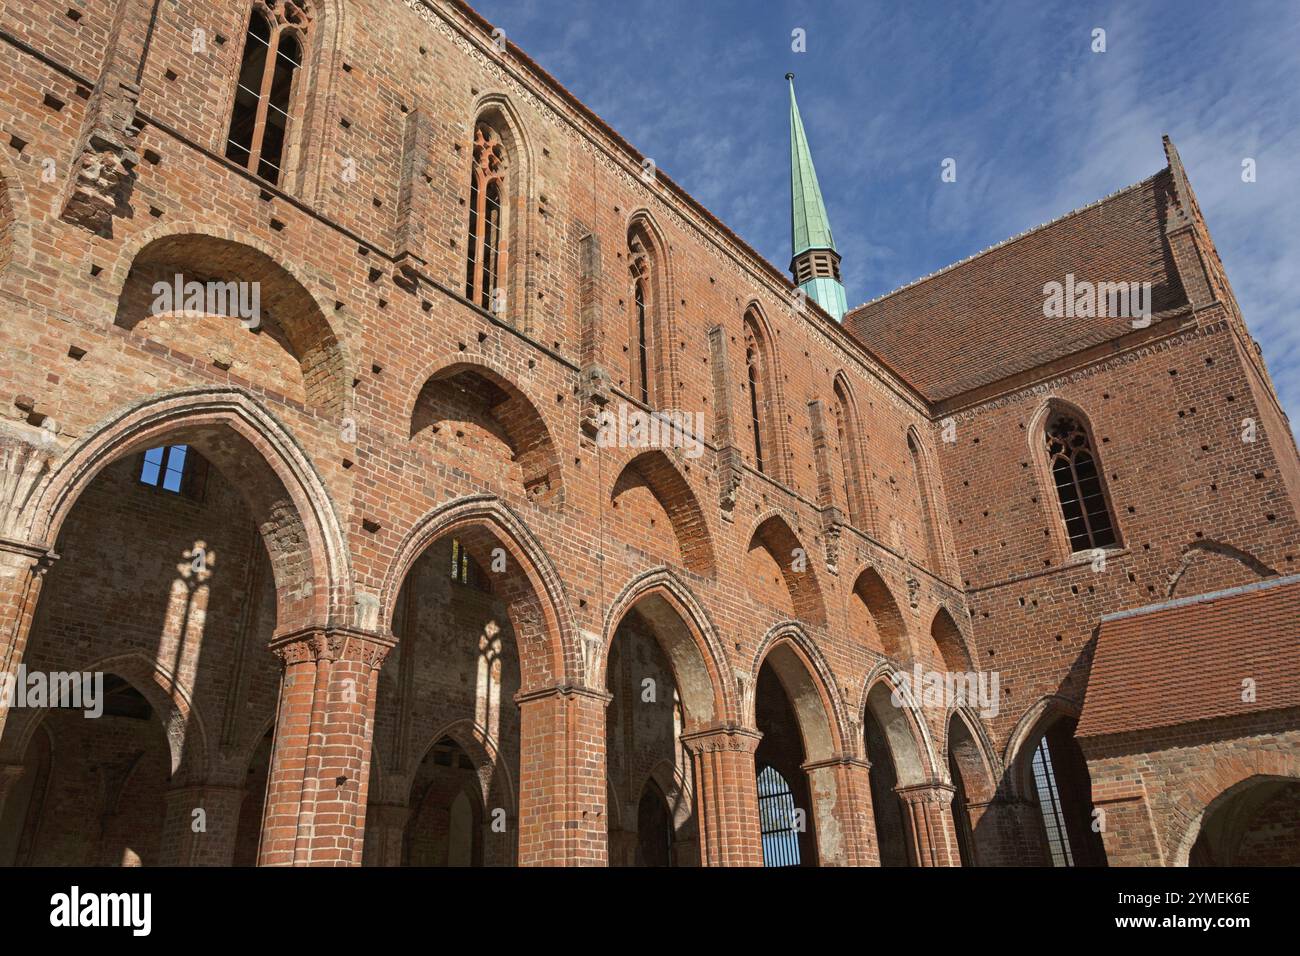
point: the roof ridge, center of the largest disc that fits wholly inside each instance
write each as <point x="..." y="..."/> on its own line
<point x="1008" y="241"/>
<point x="1266" y="584"/>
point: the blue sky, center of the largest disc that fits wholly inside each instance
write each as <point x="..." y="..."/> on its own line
<point x="1038" y="123"/>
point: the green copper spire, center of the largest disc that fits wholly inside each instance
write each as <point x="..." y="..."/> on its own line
<point x="815" y="262"/>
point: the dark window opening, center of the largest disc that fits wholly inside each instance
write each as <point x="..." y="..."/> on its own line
<point x="1049" y="802"/>
<point x="259" y="122"/>
<point x="483" y="256"/>
<point x="1079" y="487"/>
<point x="654" y="829"/>
<point x="753" y="409"/>
<point x="465" y="570"/>
<point x="643" y="350"/>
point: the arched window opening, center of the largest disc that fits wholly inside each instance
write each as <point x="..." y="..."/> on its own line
<point x="486" y="192"/>
<point x="1060" y="779"/>
<point x="1079" y="487"/>
<point x="924" y="494"/>
<point x="642" y="347"/>
<point x="751" y="364"/>
<point x="654" y="828"/>
<point x="763" y="411"/>
<point x="264" y="91"/>
<point x="465" y="570"/>
<point x="778" y="819"/>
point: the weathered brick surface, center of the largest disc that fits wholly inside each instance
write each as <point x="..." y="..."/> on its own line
<point x="375" y="415"/>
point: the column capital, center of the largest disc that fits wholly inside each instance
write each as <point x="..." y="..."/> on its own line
<point x="332" y="643"/>
<point x="838" y="760"/>
<point x="930" y="792"/>
<point x="720" y="737"/>
<point x="563" y="690"/>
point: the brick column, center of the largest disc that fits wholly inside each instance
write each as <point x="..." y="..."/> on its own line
<point x="1008" y="832"/>
<point x="386" y="826"/>
<point x="726" y="795"/>
<point x="841" y="795"/>
<point x="214" y="844"/>
<point x="562" y="792"/>
<point x="320" y="766"/>
<point x="22" y="571"/>
<point x="928" y="818"/>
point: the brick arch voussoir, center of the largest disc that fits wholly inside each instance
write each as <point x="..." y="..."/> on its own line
<point x="278" y="468"/>
<point x="539" y="608"/>
<point x="172" y="702"/>
<point x="922" y="750"/>
<point x="824" y="727"/>
<point x="319" y="288"/>
<point x="1207" y="792"/>
<point x="530" y="429"/>
<point x="678" y="499"/>
<point x="695" y="652"/>
<point x="773" y="531"/>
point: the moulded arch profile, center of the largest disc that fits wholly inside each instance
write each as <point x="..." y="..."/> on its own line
<point x="687" y="638"/>
<point x="910" y="745"/>
<point x="809" y="685"/>
<point x="531" y="588"/>
<point x="495" y="784"/>
<point x="656" y="471"/>
<point x="304" y="538"/>
<point x="1024" y="736"/>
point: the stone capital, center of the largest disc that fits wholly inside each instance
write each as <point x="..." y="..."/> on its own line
<point x="923" y="793"/>
<point x="332" y="643"/>
<point x="722" y="737"/>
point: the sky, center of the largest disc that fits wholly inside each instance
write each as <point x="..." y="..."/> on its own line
<point x="1038" y="123"/>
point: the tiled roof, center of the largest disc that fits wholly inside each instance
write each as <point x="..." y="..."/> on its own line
<point x="1185" y="660"/>
<point x="981" y="320"/>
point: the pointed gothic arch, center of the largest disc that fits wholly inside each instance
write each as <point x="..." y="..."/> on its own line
<point x="494" y="422"/>
<point x="780" y="571"/>
<point x="928" y="502"/>
<point x="875" y="616"/>
<point x="655" y="472"/>
<point x="762" y="385"/>
<point x="497" y="225"/>
<point x="297" y="520"/>
<point x="287" y="347"/>
<point x="853" y="487"/>
<point x="650" y="378"/>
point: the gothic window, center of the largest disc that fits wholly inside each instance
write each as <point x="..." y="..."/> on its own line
<point x="759" y="386"/>
<point x="846" y="436"/>
<point x="486" y="203"/>
<point x="776" y="813"/>
<point x="464" y="569"/>
<point x="174" y="468"/>
<point x="1049" y="802"/>
<point x="264" y="92"/>
<point x="1078" y="479"/>
<point x="924" y="493"/>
